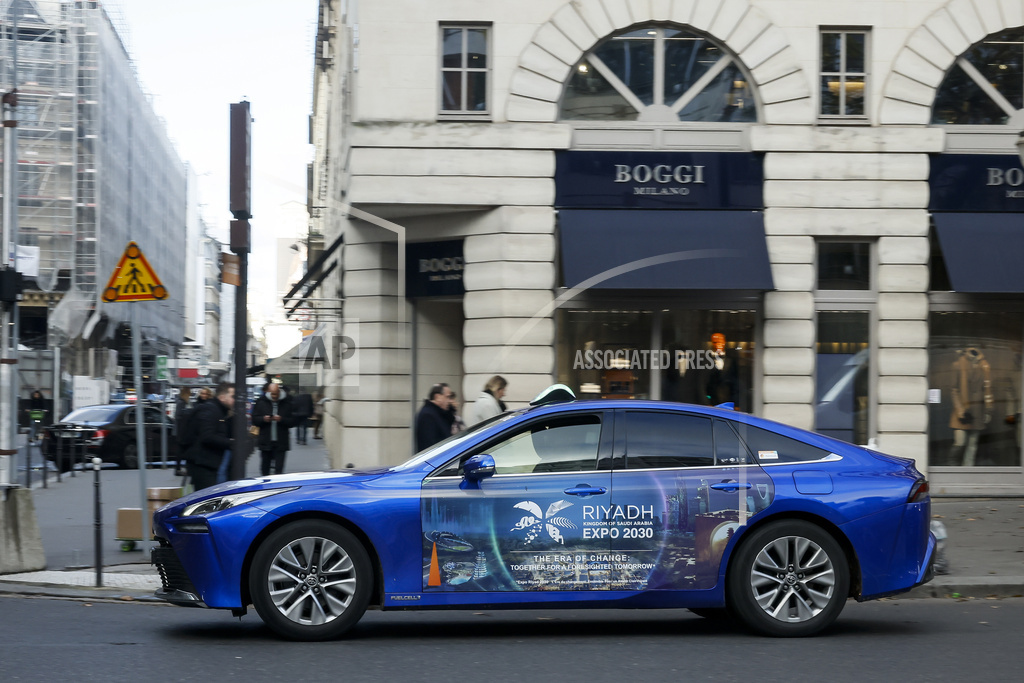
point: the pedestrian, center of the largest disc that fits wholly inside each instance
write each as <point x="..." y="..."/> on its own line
<point x="489" y="403"/>
<point x="434" y="421"/>
<point x="318" y="414"/>
<point x="272" y="413"/>
<point x="458" y="424"/>
<point x="186" y="428"/>
<point x="214" y="420"/>
<point x="302" y="412"/>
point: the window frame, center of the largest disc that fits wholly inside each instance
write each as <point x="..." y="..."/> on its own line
<point x="843" y="73"/>
<point x="463" y="114"/>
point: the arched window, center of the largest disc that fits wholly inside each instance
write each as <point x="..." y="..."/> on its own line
<point x="659" y="74"/>
<point x="985" y="84"/>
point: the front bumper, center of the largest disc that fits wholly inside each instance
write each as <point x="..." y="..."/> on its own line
<point x="177" y="587"/>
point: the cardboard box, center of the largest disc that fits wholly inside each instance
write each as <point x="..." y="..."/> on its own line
<point x="129" y="523"/>
<point x="163" y="494"/>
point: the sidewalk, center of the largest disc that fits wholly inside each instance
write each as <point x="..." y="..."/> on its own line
<point x="984" y="548"/>
<point x="66" y="518"/>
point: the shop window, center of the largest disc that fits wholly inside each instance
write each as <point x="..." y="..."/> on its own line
<point x="841" y="401"/>
<point x="465" y="70"/>
<point x="704" y="357"/>
<point x="844" y="265"/>
<point x="843" y="73"/>
<point x="974" y="380"/>
<point x="659" y="74"/>
<point x="985" y="85"/>
<point x="658" y="440"/>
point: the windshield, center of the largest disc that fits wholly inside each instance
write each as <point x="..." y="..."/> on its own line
<point x="427" y="453"/>
<point x="92" y="414"/>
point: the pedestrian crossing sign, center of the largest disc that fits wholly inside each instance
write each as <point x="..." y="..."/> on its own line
<point x="134" y="279"/>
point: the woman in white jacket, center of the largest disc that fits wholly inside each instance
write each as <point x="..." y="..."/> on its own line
<point x="489" y="403"/>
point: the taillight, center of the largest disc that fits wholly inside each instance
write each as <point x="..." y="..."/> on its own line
<point x="100" y="434"/>
<point x="919" y="491"/>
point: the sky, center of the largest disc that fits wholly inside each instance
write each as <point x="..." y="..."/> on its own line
<point x="195" y="58"/>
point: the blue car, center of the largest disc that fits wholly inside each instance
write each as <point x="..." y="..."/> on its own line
<point x="566" y="503"/>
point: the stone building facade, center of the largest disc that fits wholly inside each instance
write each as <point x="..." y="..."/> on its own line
<point x="806" y="205"/>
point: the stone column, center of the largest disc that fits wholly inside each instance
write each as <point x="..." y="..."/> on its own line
<point x="509" y="278"/>
<point x="375" y="385"/>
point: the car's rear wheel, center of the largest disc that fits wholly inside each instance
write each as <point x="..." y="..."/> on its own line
<point x="130" y="456"/>
<point x="311" y="580"/>
<point x="789" y="578"/>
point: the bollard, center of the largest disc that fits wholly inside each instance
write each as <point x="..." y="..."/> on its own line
<point x="98" y="522"/>
<point x="28" y="465"/>
<point x="57" y="460"/>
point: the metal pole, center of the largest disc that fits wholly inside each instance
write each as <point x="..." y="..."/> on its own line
<point x="239" y="428"/>
<point x="8" y="341"/>
<point x="98" y="522"/>
<point x="56" y="403"/>
<point x="163" y="428"/>
<point x="140" y="428"/>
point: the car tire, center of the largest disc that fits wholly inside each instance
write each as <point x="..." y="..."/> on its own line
<point x="311" y="580"/>
<point x="130" y="456"/>
<point x="788" y="579"/>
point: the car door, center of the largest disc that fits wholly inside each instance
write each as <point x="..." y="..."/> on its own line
<point x="534" y="524"/>
<point x="683" y="485"/>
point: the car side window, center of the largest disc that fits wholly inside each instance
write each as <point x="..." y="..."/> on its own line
<point x="729" y="449"/>
<point x="769" y="448"/>
<point x="153" y="417"/>
<point x="557" y="444"/>
<point x="664" y="439"/>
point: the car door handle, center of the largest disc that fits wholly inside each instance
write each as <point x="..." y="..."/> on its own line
<point x="584" y="490"/>
<point x="730" y="486"/>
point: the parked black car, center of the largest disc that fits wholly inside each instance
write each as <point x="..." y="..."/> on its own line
<point x="106" y="431"/>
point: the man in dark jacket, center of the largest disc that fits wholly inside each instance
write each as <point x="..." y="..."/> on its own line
<point x="214" y="427"/>
<point x="272" y="413"/>
<point x="302" y="410"/>
<point x="434" y="422"/>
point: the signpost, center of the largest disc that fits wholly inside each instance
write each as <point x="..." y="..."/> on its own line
<point x="135" y="280"/>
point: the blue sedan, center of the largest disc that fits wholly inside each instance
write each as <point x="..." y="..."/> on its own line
<point x="566" y="503"/>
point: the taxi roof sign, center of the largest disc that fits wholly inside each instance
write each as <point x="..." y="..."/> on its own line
<point x="134" y="279"/>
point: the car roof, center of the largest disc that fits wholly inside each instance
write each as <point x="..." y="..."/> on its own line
<point x="710" y="411"/>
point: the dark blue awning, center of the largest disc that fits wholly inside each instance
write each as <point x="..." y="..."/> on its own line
<point x="983" y="251"/>
<point x="648" y="249"/>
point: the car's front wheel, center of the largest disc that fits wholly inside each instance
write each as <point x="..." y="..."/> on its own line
<point x="789" y="578"/>
<point x="311" y="580"/>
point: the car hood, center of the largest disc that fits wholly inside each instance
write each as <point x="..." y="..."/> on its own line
<point x="277" y="481"/>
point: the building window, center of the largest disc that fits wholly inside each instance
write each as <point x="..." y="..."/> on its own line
<point x="465" y="70"/>
<point x="844" y="265"/>
<point x="985" y="84"/>
<point x="846" y="301"/>
<point x="843" y="73"/>
<point x="659" y="74"/>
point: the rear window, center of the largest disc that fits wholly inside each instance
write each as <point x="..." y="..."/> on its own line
<point x="92" y="414"/>
<point x="770" y="448"/>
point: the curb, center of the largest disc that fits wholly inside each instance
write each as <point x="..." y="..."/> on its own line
<point x="969" y="587"/>
<point x="50" y="590"/>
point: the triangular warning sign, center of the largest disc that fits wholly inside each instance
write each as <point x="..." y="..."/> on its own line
<point x="133" y="279"/>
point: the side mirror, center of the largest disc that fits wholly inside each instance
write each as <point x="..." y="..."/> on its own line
<point x="478" y="467"/>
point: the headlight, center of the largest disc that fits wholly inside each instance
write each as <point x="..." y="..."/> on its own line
<point x="212" y="505"/>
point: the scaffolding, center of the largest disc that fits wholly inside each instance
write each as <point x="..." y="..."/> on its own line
<point x="46" y="115"/>
<point x="95" y="170"/>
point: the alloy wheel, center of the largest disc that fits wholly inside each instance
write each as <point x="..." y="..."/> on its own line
<point x="793" y="579"/>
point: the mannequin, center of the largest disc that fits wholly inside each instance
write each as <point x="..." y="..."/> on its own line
<point x="972" y="403"/>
